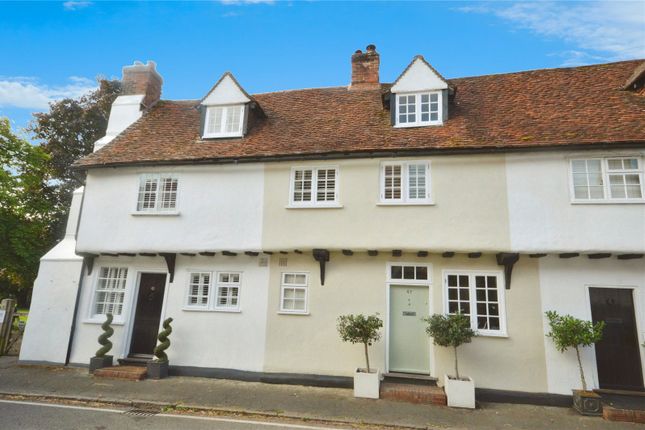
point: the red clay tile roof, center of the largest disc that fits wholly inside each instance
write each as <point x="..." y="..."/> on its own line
<point x="543" y="108"/>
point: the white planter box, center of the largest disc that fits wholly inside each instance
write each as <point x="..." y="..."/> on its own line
<point x="367" y="385"/>
<point x="460" y="394"/>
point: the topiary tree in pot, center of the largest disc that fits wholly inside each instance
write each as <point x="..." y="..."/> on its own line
<point x="453" y="331"/>
<point x="366" y="330"/>
<point x="158" y="367"/>
<point x="570" y="332"/>
<point x="100" y="359"/>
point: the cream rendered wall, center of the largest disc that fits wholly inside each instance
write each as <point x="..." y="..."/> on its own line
<point x="469" y="214"/>
<point x="542" y="217"/>
<point x="199" y="338"/>
<point x="564" y="288"/>
<point x="219" y="207"/>
<point x="357" y="284"/>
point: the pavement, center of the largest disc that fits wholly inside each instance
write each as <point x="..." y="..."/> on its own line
<point x="329" y="406"/>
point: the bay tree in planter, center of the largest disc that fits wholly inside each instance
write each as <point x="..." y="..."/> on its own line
<point x="101" y="359"/>
<point x="366" y="330"/>
<point x="453" y="331"/>
<point x="570" y="332"/>
<point x="158" y="368"/>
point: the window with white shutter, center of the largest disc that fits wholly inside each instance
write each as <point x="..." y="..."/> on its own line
<point x="293" y="293"/>
<point x="228" y="291"/>
<point x="109" y="292"/>
<point x="405" y="182"/>
<point x="224" y="121"/>
<point x="157" y="193"/>
<point x="314" y="186"/>
<point x="199" y="290"/>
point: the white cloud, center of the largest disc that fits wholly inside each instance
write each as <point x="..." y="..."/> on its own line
<point x="602" y="30"/>
<point x="28" y="93"/>
<point x="75" y="5"/>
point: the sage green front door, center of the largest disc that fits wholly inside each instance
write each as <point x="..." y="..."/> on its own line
<point x="409" y="346"/>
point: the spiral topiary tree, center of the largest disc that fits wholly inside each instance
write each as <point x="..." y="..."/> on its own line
<point x="164" y="342"/>
<point x="104" y="341"/>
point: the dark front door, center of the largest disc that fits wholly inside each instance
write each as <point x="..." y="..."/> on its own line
<point x="617" y="354"/>
<point x="148" y="312"/>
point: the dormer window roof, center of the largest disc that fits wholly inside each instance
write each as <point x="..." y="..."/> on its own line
<point x="419" y="96"/>
<point x="225" y="109"/>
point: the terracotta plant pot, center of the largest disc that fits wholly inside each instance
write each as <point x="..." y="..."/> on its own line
<point x="367" y="385"/>
<point x="157" y="369"/>
<point x="100" y="362"/>
<point x="587" y="403"/>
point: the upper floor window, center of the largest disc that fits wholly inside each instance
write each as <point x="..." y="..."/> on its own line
<point x="479" y="296"/>
<point x="314" y="186"/>
<point x="157" y="193"/>
<point x="405" y="182"/>
<point x="606" y="179"/>
<point x="418" y="109"/>
<point x="224" y="121"/>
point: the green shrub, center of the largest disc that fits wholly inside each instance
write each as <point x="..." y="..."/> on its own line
<point x="104" y="341"/>
<point x="360" y="329"/>
<point x="450" y="330"/>
<point x="569" y="332"/>
<point x="164" y="342"/>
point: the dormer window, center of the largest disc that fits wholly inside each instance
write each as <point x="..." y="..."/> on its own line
<point x="224" y="121"/>
<point x="418" y="109"/>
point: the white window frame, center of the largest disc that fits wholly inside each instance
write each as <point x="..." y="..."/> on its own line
<point x="201" y="273"/>
<point x="222" y="133"/>
<point x="403" y="281"/>
<point x="604" y="166"/>
<point x="405" y="199"/>
<point x="314" y="203"/>
<point x="304" y="286"/>
<point x="418" y="122"/>
<point x="158" y="209"/>
<point x="100" y="318"/>
<point x="213" y="291"/>
<point x="472" y="298"/>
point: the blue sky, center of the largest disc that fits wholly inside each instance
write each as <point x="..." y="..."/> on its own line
<point x="57" y="49"/>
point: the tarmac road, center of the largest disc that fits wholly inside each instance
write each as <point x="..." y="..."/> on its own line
<point x="31" y="415"/>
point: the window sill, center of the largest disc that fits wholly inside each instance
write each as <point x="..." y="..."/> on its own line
<point x="423" y="203"/>
<point x="330" y="206"/>
<point x="424" y="124"/>
<point x="489" y="334"/>
<point x="302" y="314"/>
<point x="228" y="311"/>
<point x="169" y="213"/>
<point x="101" y="321"/>
<point x="609" y="202"/>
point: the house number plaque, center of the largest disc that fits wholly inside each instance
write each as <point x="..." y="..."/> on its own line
<point x="409" y="314"/>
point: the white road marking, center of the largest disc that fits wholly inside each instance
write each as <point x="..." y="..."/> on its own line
<point x="225" y="420"/>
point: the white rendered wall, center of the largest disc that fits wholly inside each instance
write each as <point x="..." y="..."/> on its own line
<point x="125" y="111"/>
<point x="199" y="338"/>
<point x="52" y="302"/>
<point x="218" y="208"/>
<point x="564" y="288"/>
<point x="419" y="77"/>
<point x="226" y="92"/>
<point x="542" y="217"/>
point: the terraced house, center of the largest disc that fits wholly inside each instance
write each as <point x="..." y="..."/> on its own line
<point x="255" y="220"/>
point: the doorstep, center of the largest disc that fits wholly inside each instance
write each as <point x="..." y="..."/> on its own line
<point x="413" y="393"/>
<point x="624" y="406"/>
<point x="131" y="373"/>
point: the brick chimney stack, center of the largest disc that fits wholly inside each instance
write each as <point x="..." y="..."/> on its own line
<point x="365" y="67"/>
<point x="142" y="79"/>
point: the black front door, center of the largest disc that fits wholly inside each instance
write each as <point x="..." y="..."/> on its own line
<point x="617" y="354"/>
<point x="148" y="312"/>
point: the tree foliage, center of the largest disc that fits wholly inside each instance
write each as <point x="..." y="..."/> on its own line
<point x="360" y="329"/>
<point x="450" y="330"/>
<point x="27" y="203"/>
<point x="570" y="332"/>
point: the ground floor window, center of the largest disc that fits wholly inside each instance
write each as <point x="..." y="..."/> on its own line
<point x="214" y="291"/>
<point x="109" y="291"/>
<point x="293" y="293"/>
<point x="228" y="290"/>
<point x="198" y="290"/>
<point x="479" y="296"/>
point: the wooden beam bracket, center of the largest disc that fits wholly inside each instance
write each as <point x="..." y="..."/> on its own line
<point x="170" y="258"/>
<point x="322" y="257"/>
<point x="88" y="261"/>
<point x="508" y="260"/>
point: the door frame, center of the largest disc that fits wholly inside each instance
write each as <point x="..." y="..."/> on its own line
<point x="133" y="306"/>
<point x="638" y="316"/>
<point x="395" y="282"/>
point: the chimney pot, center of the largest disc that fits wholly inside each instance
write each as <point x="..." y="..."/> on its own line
<point x="365" y="69"/>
